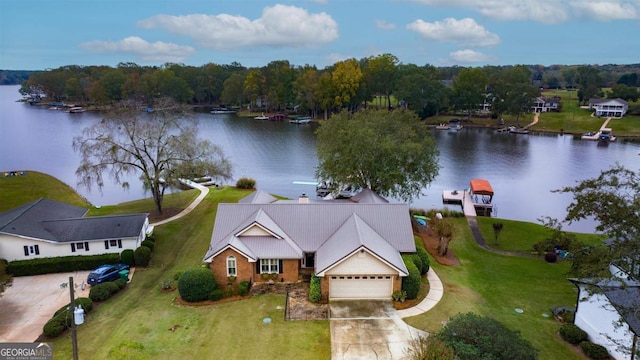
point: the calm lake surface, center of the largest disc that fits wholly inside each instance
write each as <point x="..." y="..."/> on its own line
<point x="523" y="169"/>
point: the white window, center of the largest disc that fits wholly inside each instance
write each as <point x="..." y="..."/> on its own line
<point x="231" y="266"/>
<point x="269" y="266"/>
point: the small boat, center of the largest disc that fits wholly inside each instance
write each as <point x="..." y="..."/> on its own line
<point x="301" y="120"/>
<point x="442" y="126"/>
<point x="262" y="117"/>
<point x="276" y="117"/>
<point x="455" y="128"/>
<point x="76" y="109"/>
<point x="515" y="130"/>
<point x="222" y="110"/>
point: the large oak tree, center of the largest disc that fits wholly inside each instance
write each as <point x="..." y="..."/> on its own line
<point x="161" y="147"/>
<point x="390" y="152"/>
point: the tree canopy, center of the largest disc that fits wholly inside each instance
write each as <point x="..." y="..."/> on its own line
<point x="613" y="200"/>
<point x="389" y="152"/>
<point x="161" y="146"/>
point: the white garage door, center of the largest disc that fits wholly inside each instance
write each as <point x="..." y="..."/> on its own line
<point x="360" y="287"/>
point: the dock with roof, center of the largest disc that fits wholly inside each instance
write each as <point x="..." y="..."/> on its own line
<point x="477" y="200"/>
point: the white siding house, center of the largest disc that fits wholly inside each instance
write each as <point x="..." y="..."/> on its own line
<point x="608" y="312"/>
<point x="47" y="228"/>
<point x="615" y="108"/>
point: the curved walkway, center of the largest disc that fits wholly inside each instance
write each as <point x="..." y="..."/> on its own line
<point x="436" y="290"/>
<point x="203" y="192"/>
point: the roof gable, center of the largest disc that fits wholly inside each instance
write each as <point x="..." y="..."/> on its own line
<point x="257" y="197"/>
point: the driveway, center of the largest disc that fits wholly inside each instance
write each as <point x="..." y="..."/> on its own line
<point x="368" y="329"/>
<point x="30" y="301"/>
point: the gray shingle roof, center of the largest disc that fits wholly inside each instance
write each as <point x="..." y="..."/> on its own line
<point x="50" y="220"/>
<point x="368" y="196"/>
<point x="258" y="197"/>
<point x="309" y="226"/>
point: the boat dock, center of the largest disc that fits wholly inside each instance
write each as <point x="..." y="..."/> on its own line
<point x="476" y="199"/>
<point x="603" y="130"/>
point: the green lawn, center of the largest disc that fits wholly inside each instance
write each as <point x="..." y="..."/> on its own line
<point x="495" y="285"/>
<point x="19" y="190"/>
<point x="137" y="323"/>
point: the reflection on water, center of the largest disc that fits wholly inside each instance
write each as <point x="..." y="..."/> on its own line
<point x="522" y="169"/>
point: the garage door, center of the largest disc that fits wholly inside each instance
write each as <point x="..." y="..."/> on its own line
<point x="360" y="287"/>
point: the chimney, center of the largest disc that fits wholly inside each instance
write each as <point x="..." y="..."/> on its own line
<point x="303" y="199"/>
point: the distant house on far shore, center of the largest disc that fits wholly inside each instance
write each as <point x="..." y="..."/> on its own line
<point x="546" y="104"/>
<point x="615" y="108"/>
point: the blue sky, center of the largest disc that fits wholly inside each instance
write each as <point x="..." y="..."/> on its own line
<point x="41" y="34"/>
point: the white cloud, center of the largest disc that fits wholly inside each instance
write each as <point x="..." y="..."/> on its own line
<point x="544" y="11"/>
<point x="606" y="10"/>
<point x="145" y="51"/>
<point x="279" y="26"/>
<point x="382" y="24"/>
<point x="464" y="32"/>
<point x="469" y="56"/>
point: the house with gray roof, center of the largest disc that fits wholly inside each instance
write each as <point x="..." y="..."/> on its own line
<point x="47" y="228"/>
<point x="354" y="247"/>
<point x="614" y="108"/>
<point x="608" y="310"/>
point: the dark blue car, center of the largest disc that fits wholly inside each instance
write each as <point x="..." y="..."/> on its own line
<point x="105" y="273"/>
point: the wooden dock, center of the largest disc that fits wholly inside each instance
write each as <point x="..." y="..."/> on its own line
<point x="464" y="199"/>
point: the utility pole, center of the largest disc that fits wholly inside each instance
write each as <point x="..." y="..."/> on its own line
<point x="74" y="340"/>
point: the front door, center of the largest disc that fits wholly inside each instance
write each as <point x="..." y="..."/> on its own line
<point x="309" y="260"/>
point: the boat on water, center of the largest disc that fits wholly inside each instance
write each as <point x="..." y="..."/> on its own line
<point x="442" y="126"/>
<point x="276" y="117"/>
<point x="222" y="110"/>
<point x="76" y="109"/>
<point x="301" y="120"/>
<point x="455" y="128"/>
<point x="605" y="135"/>
<point x="262" y="117"/>
<point x="515" y="130"/>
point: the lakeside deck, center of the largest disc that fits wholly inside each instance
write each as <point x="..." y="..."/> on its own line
<point x="473" y="204"/>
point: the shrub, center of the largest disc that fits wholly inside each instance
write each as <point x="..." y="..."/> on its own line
<point x="100" y="292"/>
<point x="477" y="337"/>
<point x="148" y="243"/>
<point x="142" y="255"/>
<point x="424" y="257"/>
<point x="429" y="348"/>
<point x="121" y="283"/>
<point x="60" y="264"/>
<point x="55" y="326"/>
<point x="594" y="351"/>
<point x="85" y="303"/>
<point x="411" y="283"/>
<point x="243" y="288"/>
<point x="550" y="257"/>
<point x="572" y="334"/>
<point x="315" y="290"/>
<point x="126" y="256"/>
<point x="196" y="284"/>
<point x="216" y="295"/>
<point x="245" y="183"/>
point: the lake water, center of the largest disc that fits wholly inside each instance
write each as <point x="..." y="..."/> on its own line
<point x="523" y="169"/>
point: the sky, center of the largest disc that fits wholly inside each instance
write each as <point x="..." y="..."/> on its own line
<point x="46" y="34"/>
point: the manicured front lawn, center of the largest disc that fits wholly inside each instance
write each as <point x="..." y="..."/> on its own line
<point x="143" y="316"/>
<point x="495" y="285"/>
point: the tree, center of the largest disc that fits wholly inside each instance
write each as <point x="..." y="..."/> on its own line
<point x="478" y="337"/>
<point x="162" y="147"/>
<point x="588" y="82"/>
<point x="379" y="74"/>
<point x="444" y="231"/>
<point x="497" y="228"/>
<point x="346" y="77"/>
<point x="512" y="91"/>
<point x="232" y="90"/>
<point x="624" y="92"/>
<point x="469" y="89"/>
<point x="420" y="90"/>
<point x="389" y="152"/>
<point x="613" y="200"/>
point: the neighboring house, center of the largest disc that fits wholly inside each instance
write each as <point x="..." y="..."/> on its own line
<point x="47" y="228"/>
<point x="615" y="108"/>
<point x="609" y="312"/>
<point x="545" y="104"/>
<point x="354" y="245"/>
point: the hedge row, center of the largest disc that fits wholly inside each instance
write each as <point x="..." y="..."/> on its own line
<point x="411" y="284"/>
<point x="60" y="264"/>
<point x="315" y="291"/>
<point x="105" y="290"/>
<point x="61" y="319"/>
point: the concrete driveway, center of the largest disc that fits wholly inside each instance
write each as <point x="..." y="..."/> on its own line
<point x="30" y="302"/>
<point x="368" y="329"/>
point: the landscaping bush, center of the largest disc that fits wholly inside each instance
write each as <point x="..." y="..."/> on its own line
<point x="216" y="295"/>
<point x="148" y="243"/>
<point x="55" y="326"/>
<point x="411" y="283"/>
<point x="566" y="314"/>
<point x="572" y="334"/>
<point x="121" y="283"/>
<point x="550" y="257"/>
<point x="100" y="292"/>
<point x="126" y="257"/>
<point x="429" y="348"/>
<point x="243" y="288"/>
<point x="424" y="257"/>
<point x="142" y="256"/>
<point x="245" y="183"/>
<point x="86" y="303"/>
<point x="196" y="284"/>
<point x="60" y="264"/>
<point x="594" y="351"/>
<point x="315" y="290"/>
<point x="477" y="337"/>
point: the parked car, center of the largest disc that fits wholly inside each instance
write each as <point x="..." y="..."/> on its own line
<point x="105" y="273"/>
